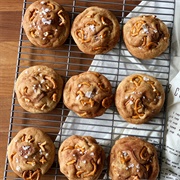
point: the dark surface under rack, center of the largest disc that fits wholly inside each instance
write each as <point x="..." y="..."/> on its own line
<point x="68" y="60"/>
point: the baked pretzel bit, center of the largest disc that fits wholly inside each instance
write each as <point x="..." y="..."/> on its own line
<point x="81" y="36"/>
<point x="144" y="155"/>
<point x="32" y="14"/>
<point x="91" y="23"/>
<point x="62" y="18"/>
<point x="33" y="33"/>
<point x="99" y="48"/>
<point x="154" y="88"/>
<point x="51" y="6"/>
<point x="85" y="83"/>
<point x="52" y="81"/>
<point x="30" y="139"/>
<point x="43" y="107"/>
<point x="23" y="138"/>
<point x="32" y="175"/>
<point x="71" y="162"/>
<point x="67" y="148"/>
<point x="25" y="90"/>
<point x="27" y="100"/>
<point x="137" y="28"/>
<point x="131" y="99"/>
<point x="78" y="173"/>
<point x="104" y="21"/>
<point x="41" y="145"/>
<point x="93" y="171"/>
<point x="137" y="80"/>
<point x="32" y="163"/>
<point x="82" y="149"/>
<point x="80" y="93"/>
<point x="151" y="45"/>
<point x="101" y="86"/>
<point x="54" y="97"/>
<point x="83" y="114"/>
<point x="138" y="108"/>
<point x="124" y="159"/>
<point x="43" y="160"/>
<point x="85" y="102"/>
<point x="12" y="155"/>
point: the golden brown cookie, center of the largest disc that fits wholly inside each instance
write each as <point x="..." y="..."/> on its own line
<point x="133" y="158"/>
<point x="146" y="36"/>
<point x="81" y="157"/>
<point x="95" y="30"/>
<point x="139" y="97"/>
<point x="46" y="24"/>
<point x="31" y="153"/>
<point x="38" y="89"/>
<point x="88" y="94"/>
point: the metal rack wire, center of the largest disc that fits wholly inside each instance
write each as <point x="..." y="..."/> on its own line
<point x="68" y="61"/>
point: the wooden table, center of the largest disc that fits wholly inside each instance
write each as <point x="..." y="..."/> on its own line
<point x="10" y="20"/>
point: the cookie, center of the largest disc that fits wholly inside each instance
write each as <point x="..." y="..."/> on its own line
<point x="88" y="94"/>
<point x="81" y="157"/>
<point x="139" y="97"/>
<point x="46" y="24"/>
<point x="95" y="30"/>
<point x="146" y="36"/>
<point x="31" y="153"/>
<point x="38" y="89"/>
<point x="133" y="158"/>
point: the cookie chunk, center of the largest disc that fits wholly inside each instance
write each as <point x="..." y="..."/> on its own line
<point x="88" y="94"/>
<point x="146" y="36"/>
<point x="31" y="153"/>
<point x="139" y="97"/>
<point x="95" y="30"/>
<point x="38" y="89"/>
<point x="133" y="158"/>
<point x="81" y="157"/>
<point x="46" y="24"/>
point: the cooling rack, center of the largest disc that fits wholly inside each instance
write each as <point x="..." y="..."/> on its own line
<point x="68" y="60"/>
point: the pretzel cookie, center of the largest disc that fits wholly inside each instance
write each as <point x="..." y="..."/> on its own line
<point x="81" y="157"/>
<point x="146" y="36"/>
<point x="139" y="97"/>
<point x="38" y="89"/>
<point x="88" y="94"/>
<point x="95" y="30"/>
<point x="133" y="158"/>
<point x="31" y="153"/>
<point x="46" y="24"/>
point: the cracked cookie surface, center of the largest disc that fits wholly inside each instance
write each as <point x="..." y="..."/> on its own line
<point x="139" y="97"/>
<point x="46" y="24"/>
<point x="81" y="157"/>
<point x="39" y="89"/>
<point x="88" y="94"/>
<point x="146" y="36"/>
<point x="31" y="153"/>
<point x="95" y="30"/>
<point x="133" y="158"/>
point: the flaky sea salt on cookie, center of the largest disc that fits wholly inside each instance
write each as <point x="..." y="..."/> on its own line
<point x="96" y="30"/>
<point x="133" y="158"/>
<point x="38" y="89"/>
<point x="88" y="94"/>
<point x="81" y="158"/>
<point x="139" y="97"/>
<point x="31" y="153"/>
<point x="46" y="24"/>
<point x="146" y="36"/>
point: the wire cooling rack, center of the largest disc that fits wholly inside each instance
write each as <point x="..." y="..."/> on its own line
<point x="68" y="60"/>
